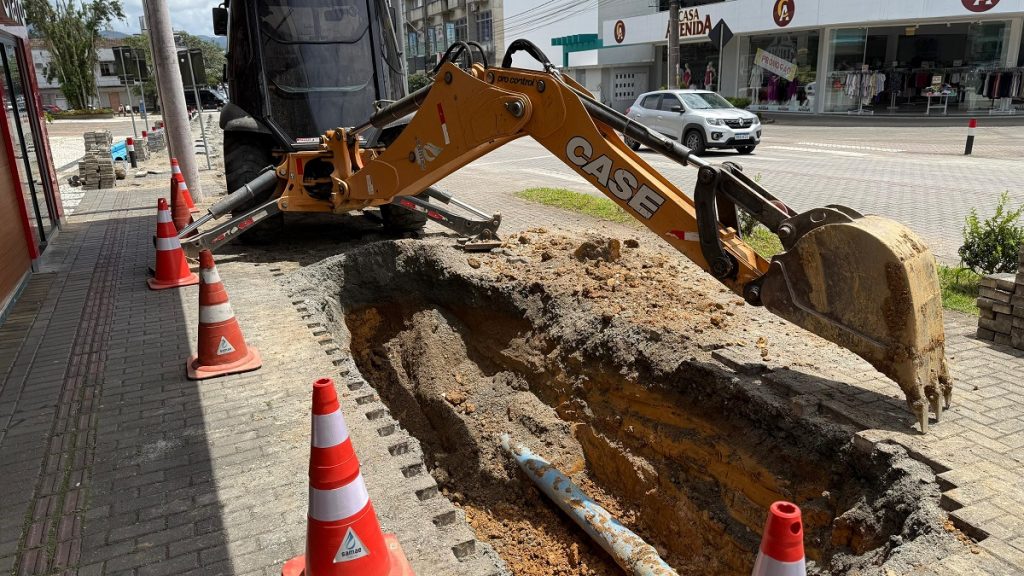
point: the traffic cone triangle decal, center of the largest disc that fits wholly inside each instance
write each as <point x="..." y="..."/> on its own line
<point x="351" y="547"/>
<point x="343" y="535"/>
<point x="221" y="347"/>
<point x="171" y="270"/>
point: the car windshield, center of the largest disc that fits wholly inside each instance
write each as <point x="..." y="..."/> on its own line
<point x="705" y="101"/>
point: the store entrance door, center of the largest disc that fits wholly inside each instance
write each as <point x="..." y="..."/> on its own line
<point x="19" y="107"/>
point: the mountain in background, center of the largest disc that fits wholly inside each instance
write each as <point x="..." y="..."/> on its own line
<point x="218" y="40"/>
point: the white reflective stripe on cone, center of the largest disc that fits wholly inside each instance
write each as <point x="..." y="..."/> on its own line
<point x="329" y="429"/>
<point x="215" y="313"/>
<point x="182" y="185"/>
<point x="339" y="503"/>
<point x="171" y="243"/>
<point x="163" y="216"/>
<point x="175" y="169"/>
<point x="210" y="276"/>
<point x="768" y="566"/>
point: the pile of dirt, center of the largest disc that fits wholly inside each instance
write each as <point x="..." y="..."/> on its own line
<point x="596" y="354"/>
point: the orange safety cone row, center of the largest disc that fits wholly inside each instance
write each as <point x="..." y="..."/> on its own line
<point x="343" y="535"/>
<point x="222" y="348"/>
<point x="782" y="544"/>
<point x="176" y="179"/>
<point x="171" y="266"/>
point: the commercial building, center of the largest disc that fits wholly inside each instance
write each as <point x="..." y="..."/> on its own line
<point x="433" y="25"/>
<point x="30" y="208"/>
<point x="815" y="56"/>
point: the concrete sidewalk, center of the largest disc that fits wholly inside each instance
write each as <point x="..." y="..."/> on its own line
<point x="116" y="464"/>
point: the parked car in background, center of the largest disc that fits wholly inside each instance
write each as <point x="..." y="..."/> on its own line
<point x="211" y="99"/>
<point x="52" y="108"/>
<point x="699" y="119"/>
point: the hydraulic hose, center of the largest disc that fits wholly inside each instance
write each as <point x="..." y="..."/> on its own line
<point x="635" y="556"/>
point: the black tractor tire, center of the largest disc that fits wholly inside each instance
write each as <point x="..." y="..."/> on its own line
<point x="694" y="140"/>
<point x="745" y="149"/>
<point x="398" y="220"/>
<point x="245" y="156"/>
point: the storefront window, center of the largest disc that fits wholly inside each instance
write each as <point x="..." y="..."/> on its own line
<point x="916" y="68"/>
<point x="18" y="104"/>
<point x="778" y="72"/>
<point x="698" y="66"/>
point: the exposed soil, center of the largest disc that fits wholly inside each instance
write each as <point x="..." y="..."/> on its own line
<point x="597" y="355"/>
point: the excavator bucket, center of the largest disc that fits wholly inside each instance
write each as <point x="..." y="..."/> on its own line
<point x="870" y="285"/>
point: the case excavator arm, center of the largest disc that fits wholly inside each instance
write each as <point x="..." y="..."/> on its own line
<point x="864" y="282"/>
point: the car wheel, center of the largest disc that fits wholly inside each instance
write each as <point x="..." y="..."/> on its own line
<point x="745" y="149"/>
<point x="633" y="144"/>
<point x="694" y="140"/>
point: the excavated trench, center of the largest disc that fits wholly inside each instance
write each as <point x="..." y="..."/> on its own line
<point x="686" y="453"/>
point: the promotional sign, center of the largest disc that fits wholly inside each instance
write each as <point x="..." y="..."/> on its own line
<point x="775" y="65"/>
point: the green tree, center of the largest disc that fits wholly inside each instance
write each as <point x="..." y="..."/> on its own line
<point x="71" y="30"/>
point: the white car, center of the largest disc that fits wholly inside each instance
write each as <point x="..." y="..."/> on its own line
<point x="699" y="119"/>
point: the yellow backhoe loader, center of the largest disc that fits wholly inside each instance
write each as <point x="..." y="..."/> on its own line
<point x="866" y="283"/>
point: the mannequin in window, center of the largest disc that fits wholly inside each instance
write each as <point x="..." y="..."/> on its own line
<point x="709" y="77"/>
<point x="687" y="76"/>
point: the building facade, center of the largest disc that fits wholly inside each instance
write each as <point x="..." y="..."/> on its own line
<point x="816" y="56"/>
<point x="30" y="207"/>
<point x="433" y="25"/>
<point x="110" y="92"/>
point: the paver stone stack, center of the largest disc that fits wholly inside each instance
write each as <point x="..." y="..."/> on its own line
<point x="1001" y="306"/>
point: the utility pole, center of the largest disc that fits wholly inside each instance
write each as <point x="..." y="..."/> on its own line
<point x="673" y="45"/>
<point x="172" y="93"/>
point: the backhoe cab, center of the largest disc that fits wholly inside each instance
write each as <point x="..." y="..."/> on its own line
<point x="297" y="68"/>
<point x="864" y="282"/>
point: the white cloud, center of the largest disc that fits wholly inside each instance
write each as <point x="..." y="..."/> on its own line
<point x="192" y="16"/>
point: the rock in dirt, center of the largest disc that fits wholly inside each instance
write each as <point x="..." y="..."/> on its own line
<point x="473" y="262"/>
<point x="609" y="250"/>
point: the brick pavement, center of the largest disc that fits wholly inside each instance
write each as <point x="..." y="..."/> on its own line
<point x="117" y="464"/>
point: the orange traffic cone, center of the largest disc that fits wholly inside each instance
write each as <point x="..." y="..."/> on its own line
<point x="343" y="536"/>
<point x="222" y="348"/>
<point x="179" y="208"/>
<point x="176" y="179"/>
<point x="782" y="544"/>
<point x="171" y="266"/>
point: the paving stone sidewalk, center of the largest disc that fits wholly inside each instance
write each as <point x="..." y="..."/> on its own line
<point x="116" y="464"/>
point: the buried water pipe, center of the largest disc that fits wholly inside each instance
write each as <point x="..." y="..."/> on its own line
<point x="635" y="556"/>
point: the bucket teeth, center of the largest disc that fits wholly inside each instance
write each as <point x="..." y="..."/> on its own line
<point x="870" y="285"/>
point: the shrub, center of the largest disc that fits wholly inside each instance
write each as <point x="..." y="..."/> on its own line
<point x="418" y="80"/>
<point x="739" y="102"/>
<point x="992" y="245"/>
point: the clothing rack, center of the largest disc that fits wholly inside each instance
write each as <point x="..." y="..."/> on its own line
<point x="862" y="82"/>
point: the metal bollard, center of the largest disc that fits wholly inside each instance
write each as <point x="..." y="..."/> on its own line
<point x="132" y="158"/>
<point x="972" y="125"/>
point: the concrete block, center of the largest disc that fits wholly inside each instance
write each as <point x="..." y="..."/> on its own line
<point x="985" y="334"/>
<point x="1005" y="281"/>
<point x="1017" y="338"/>
<point x="1000" y="325"/>
<point x="1002" y="339"/>
<point x="1018" y="322"/>
<point x="1018" y="300"/>
<point x="993" y="294"/>
<point x="987" y="313"/>
<point x="995" y="306"/>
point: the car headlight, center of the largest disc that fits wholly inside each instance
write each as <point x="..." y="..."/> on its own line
<point x="713" y="121"/>
<point x="756" y="121"/>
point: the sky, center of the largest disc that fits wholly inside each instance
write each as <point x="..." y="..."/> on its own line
<point x="192" y="16"/>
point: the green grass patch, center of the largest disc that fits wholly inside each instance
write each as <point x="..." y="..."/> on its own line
<point x="959" y="289"/>
<point x="764" y="242"/>
<point x="597" y="207"/>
